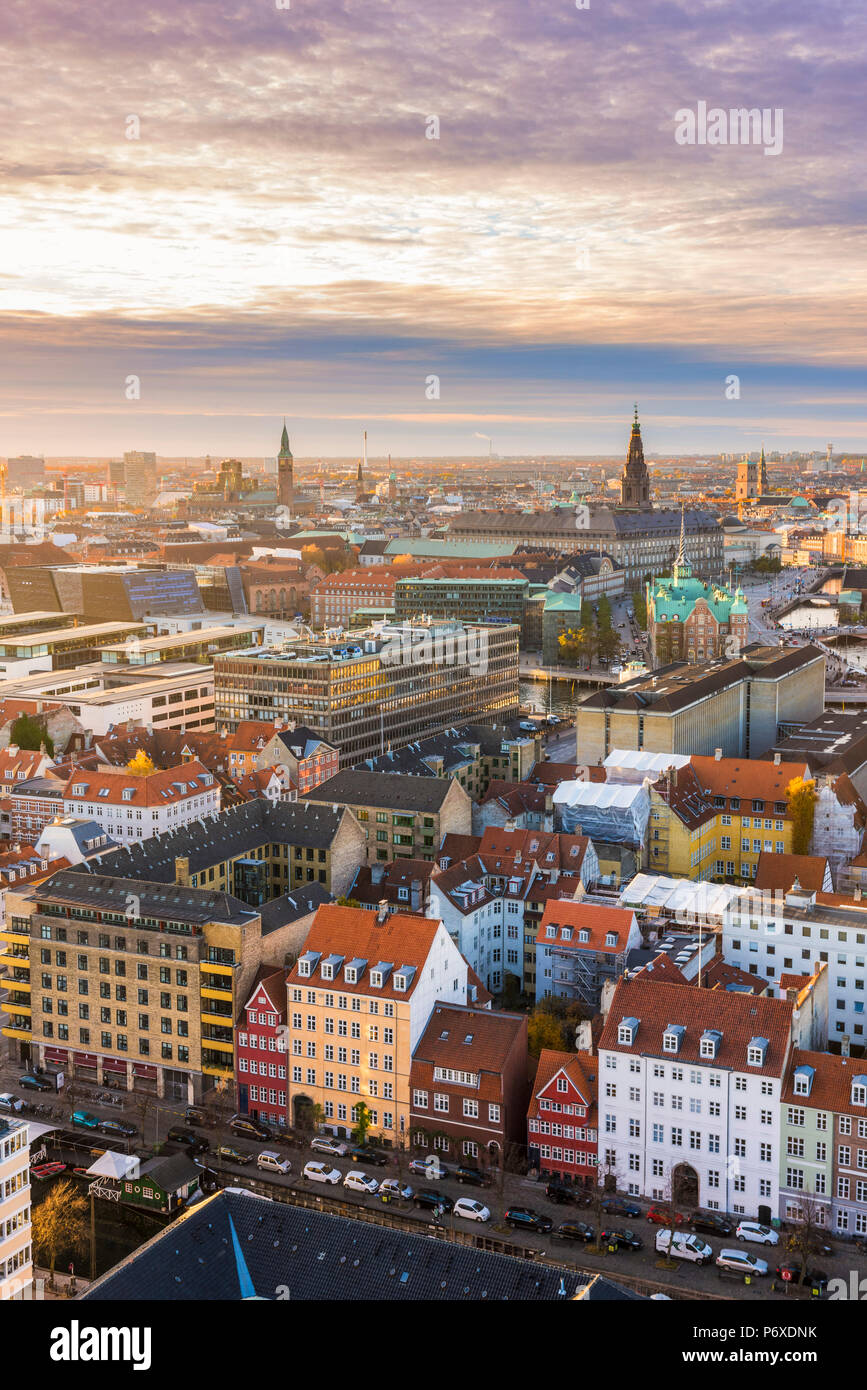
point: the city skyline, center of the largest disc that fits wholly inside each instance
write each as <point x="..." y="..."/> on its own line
<point x="276" y="212"/>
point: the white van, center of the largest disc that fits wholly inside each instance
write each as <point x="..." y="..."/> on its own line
<point x="684" y="1246"/>
<point x="272" y="1161"/>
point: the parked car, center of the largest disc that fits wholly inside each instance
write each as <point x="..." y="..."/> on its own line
<point x="393" y="1187"/>
<point x="790" y="1272"/>
<point x="227" y="1154"/>
<point x="661" y="1216"/>
<point x="194" y="1142"/>
<point x="711" y="1223"/>
<point x="561" y="1192"/>
<point x="10" y="1104"/>
<point x="320" y="1172"/>
<point x="620" y="1206"/>
<point x="328" y="1144"/>
<point x="271" y="1162"/>
<point x="683" y="1246"/>
<point x="356" y="1181"/>
<point x="430" y="1198"/>
<point x="473" y="1176"/>
<point x="621" y="1239"/>
<point x="194" y="1116"/>
<point x="431" y="1167"/>
<point x="362" y="1154"/>
<point x="249" y="1129"/>
<point x="85" y="1119"/>
<point x="525" y="1219"/>
<point x="471" y="1210"/>
<point x="118" y="1128"/>
<point x="754" y="1231"/>
<point x="527" y="726"/>
<point x="34" y="1083"/>
<point x="574" y="1230"/>
<point x="740" y="1262"/>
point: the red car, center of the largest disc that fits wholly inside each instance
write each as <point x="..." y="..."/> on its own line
<point x="661" y="1216"/>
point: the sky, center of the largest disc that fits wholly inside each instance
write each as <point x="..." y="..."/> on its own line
<point x="444" y="223"/>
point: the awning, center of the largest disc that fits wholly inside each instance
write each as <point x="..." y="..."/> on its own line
<point x="114" y="1165"/>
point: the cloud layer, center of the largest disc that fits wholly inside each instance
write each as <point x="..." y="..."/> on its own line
<point x="281" y="235"/>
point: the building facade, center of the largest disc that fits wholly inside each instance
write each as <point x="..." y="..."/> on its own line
<point x="381" y="690"/>
<point x="563" y="1119"/>
<point x="358" y="1000"/>
<point x="16" y="1254"/>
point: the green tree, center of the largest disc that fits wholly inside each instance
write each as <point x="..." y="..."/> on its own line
<point x="362" y="1123"/>
<point x="639" y="607"/>
<point x="28" y="733"/>
<point x="801" y="797"/>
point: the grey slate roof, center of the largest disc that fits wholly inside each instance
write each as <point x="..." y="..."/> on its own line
<point x="79" y="885"/>
<point x="453" y="746"/>
<point x="237" y="830"/>
<point x="289" y="907"/>
<point x="359" y="787"/>
<point x="317" y="1256"/>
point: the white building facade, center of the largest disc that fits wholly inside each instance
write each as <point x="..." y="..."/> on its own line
<point x="16" y="1257"/>
<point x="689" y="1096"/>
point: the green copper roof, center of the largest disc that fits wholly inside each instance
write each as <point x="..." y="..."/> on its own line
<point x="673" y="601"/>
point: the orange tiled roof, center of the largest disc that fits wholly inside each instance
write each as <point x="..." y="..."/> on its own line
<point x="832" y="1082"/>
<point x="355" y="933"/>
<point x="583" y="916"/>
<point x="161" y="788"/>
<point x="781" y="870"/>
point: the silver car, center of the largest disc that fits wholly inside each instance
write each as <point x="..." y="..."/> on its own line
<point x="328" y="1144"/>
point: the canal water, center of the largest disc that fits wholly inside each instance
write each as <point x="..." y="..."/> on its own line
<point x="565" y="696"/>
<point x="119" y="1230"/>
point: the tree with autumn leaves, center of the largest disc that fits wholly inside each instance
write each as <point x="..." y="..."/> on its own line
<point x="801" y="798"/>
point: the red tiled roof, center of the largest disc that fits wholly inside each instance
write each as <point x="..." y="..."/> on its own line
<point x="582" y="916"/>
<point x="779" y="871"/>
<point x="355" y="932"/>
<point x="160" y="788"/>
<point x="738" y="1017"/>
<point x="832" y="1082"/>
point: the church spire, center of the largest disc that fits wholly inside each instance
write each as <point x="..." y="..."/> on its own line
<point x="636" y="427"/>
<point x="285" y="451"/>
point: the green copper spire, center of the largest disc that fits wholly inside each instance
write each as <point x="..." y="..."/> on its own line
<point x="284" y="442"/>
<point x="636" y="427"/>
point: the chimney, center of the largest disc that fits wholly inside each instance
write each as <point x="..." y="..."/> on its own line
<point x="415" y="894"/>
<point x="182" y="872"/>
<point x="778" y="758"/>
<point x="377" y="873"/>
<point x="717" y="753"/>
<point x="382" y="912"/>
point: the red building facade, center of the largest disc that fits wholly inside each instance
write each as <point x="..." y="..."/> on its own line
<point x="562" y="1119"/>
<point x="260" y="1050"/>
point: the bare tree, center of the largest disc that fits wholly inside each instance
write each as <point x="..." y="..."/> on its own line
<point x="809" y="1237"/>
<point x="606" y="1183"/>
<point x="675" y="1188"/>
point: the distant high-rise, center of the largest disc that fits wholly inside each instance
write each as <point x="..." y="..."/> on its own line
<point x="359" y="477"/>
<point x="752" y="478"/>
<point x="285" y="471"/>
<point x="25" y="472"/>
<point x="635" y="482"/>
<point x="139" y="478"/>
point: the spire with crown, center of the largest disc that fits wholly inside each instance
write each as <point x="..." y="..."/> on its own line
<point x="636" y="426"/>
<point x="681" y="569"/>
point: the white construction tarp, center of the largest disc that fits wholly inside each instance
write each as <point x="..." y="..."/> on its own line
<point x="114" y="1165"/>
<point x="604" y="810"/>
<point x="634" y="764"/>
<point x="681" y="898"/>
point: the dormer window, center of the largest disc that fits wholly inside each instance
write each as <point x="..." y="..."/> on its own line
<point x="304" y="967"/>
<point x="328" y="971"/>
<point x="710" y="1041"/>
<point x="757" y="1051"/>
<point x="610" y="938"/>
<point x="79" y="789"/>
<point x="803" y="1081"/>
<point x="351" y="975"/>
<point x="550" y="933"/>
<point x="627" y="1031"/>
<point x="376" y="979"/>
<point x="583" y="934"/>
<point x="400" y="982"/>
<point x="673" y="1037"/>
<point x="566" y="933"/>
<point x="128" y="793"/>
<point x="859" y="1090"/>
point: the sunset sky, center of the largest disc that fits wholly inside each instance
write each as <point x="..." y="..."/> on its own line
<point x="282" y="239"/>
